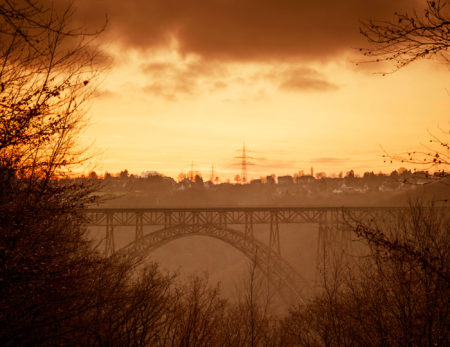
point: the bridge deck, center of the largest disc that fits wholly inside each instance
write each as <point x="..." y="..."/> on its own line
<point x="226" y="215"/>
<point x="245" y="209"/>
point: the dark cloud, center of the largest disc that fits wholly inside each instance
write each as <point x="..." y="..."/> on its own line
<point x="171" y="80"/>
<point x="295" y="78"/>
<point x="296" y="83"/>
<point x="241" y="30"/>
<point x="304" y="79"/>
<point x="185" y="69"/>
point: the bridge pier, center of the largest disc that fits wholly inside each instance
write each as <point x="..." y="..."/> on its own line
<point x="249" y="225"/>
<point x="327" y="225"/>
<point x="139" y="228"/>
<point x="223" y="219"/>
<point x="167" y="219"/>
<point x="274" y="237"/>
<point x="195" y="219"/>
<point x="109" y="240"/>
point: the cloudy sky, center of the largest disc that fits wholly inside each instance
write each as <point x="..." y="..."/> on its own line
<point x="190" y="81"/>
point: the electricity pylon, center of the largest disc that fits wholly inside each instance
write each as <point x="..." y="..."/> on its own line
<point x="244" y="162"/>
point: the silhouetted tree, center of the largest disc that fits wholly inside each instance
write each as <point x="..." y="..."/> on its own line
<point x="198" y="180"/>
<point x="197" y="315"/>
<point x="124" y="174"/>
<point x="410" y="36"/>
<point x="406" y="39"/>
<point x="46" y="265"/>
<point x="436" y="154"/>
<point x="350" y="174"/>
<point x="395" y="293"/>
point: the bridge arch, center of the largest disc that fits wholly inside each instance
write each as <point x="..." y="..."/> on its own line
<point x="279" y="272"/>
<point x="211" y="221"/>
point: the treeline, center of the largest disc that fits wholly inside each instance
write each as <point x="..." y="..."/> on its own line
<point x="155" y="190"/>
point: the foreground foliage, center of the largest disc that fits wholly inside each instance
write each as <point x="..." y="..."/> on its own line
<point x="394" y="294"/>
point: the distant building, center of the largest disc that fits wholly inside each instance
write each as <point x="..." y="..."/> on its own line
<point x="285" y="179"/>
<point x="256" y="181"/>
<point x="305" y="179"/>
<point x="270" y="180"/>
<point x="146" y="174"/>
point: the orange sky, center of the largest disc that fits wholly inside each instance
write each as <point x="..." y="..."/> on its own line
<point x="174" y="95"/>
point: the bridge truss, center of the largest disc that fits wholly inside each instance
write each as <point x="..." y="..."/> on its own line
<point x="175" y="223"/>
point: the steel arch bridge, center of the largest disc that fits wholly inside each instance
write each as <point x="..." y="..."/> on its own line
<point x="175" y="223"/>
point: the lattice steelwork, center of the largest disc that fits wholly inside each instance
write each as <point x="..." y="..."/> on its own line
<point x="109" y="240"/>
<point x="175" y="223"/>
